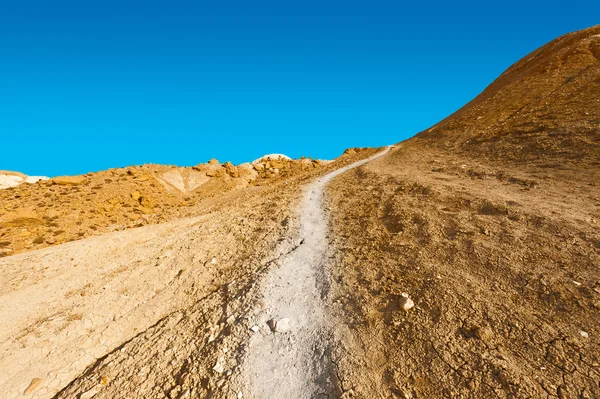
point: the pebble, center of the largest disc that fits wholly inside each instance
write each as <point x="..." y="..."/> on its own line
<point x="584" y="334"/>
<point x="33" y="385"/>
<point x="405" y="302"/>
<point x="91" y="393"/>
<point x="282" y="325"/>
<point x="254" y="328"/>
<point x="240" y="395"/>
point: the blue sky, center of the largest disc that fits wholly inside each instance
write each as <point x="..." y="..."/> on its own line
<point x="89" y="85"/>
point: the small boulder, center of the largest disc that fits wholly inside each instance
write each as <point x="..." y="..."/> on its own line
<point x="218" y="367"/>
<point x="405" y="302"/>
<point x="280" y="326"/>
<point x="484" y="333"/>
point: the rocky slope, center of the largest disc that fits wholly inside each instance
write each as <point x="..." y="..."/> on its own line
<point x="544" y="109"/>
<point x="490" y="223"/>
<point x="66" y="208"/>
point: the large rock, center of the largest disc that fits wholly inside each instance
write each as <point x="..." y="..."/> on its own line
<point x="231" y="170"/>
<point x="20" y="218"/>
<point x="12" y="179"/>
<point x="69" y="180"/>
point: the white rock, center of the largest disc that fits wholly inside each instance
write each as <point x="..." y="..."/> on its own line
<point x="584" y="334"/>
<point x="282" y="325"/>
<point x="91" y="393"/>
<point x="405" y="302"/>
<point x="254" y="328"/>
<point x="218" y="368"/>
<point x="213" y="260"/>
<point x="240" y="395"/>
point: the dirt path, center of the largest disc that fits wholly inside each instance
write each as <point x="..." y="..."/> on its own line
<point x="290" y="356"/>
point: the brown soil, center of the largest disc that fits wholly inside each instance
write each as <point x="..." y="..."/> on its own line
<point x="490" y="222"/>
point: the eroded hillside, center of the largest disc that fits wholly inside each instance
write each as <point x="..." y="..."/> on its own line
<point x="62" y="209"/>
<point x="490" y="223"/>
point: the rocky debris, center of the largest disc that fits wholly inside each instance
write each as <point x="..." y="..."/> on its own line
<point x="405" y="302"/>
<point x="231" y="170"/>
<point x="33" y="385"/>
<point x="584" y="334"/>
<point x="68" y="180"/>
<point x="271" y="157"/>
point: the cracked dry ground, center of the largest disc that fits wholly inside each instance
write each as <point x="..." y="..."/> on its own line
<point x="501" y="261"/>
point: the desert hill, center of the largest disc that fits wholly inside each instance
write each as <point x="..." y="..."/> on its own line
<point x="490" y="222"/>
<point x="66" y="208"/>
<point x="544" y="108"/>
<point x="462" y="263"/>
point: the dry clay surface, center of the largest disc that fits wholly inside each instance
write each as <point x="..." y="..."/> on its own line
<point x="157" y="311"/>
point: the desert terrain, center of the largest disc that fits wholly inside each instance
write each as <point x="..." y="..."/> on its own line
<point x="461" y="263"/>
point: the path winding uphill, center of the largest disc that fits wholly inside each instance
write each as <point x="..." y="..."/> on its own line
<point x="291" y="355"/>
<point x="167" y="310"/>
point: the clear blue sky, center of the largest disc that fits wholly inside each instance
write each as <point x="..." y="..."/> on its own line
<point x="88" y="85"/>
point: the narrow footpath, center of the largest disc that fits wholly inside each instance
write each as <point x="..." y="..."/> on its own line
<point x="291" y="358"/>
